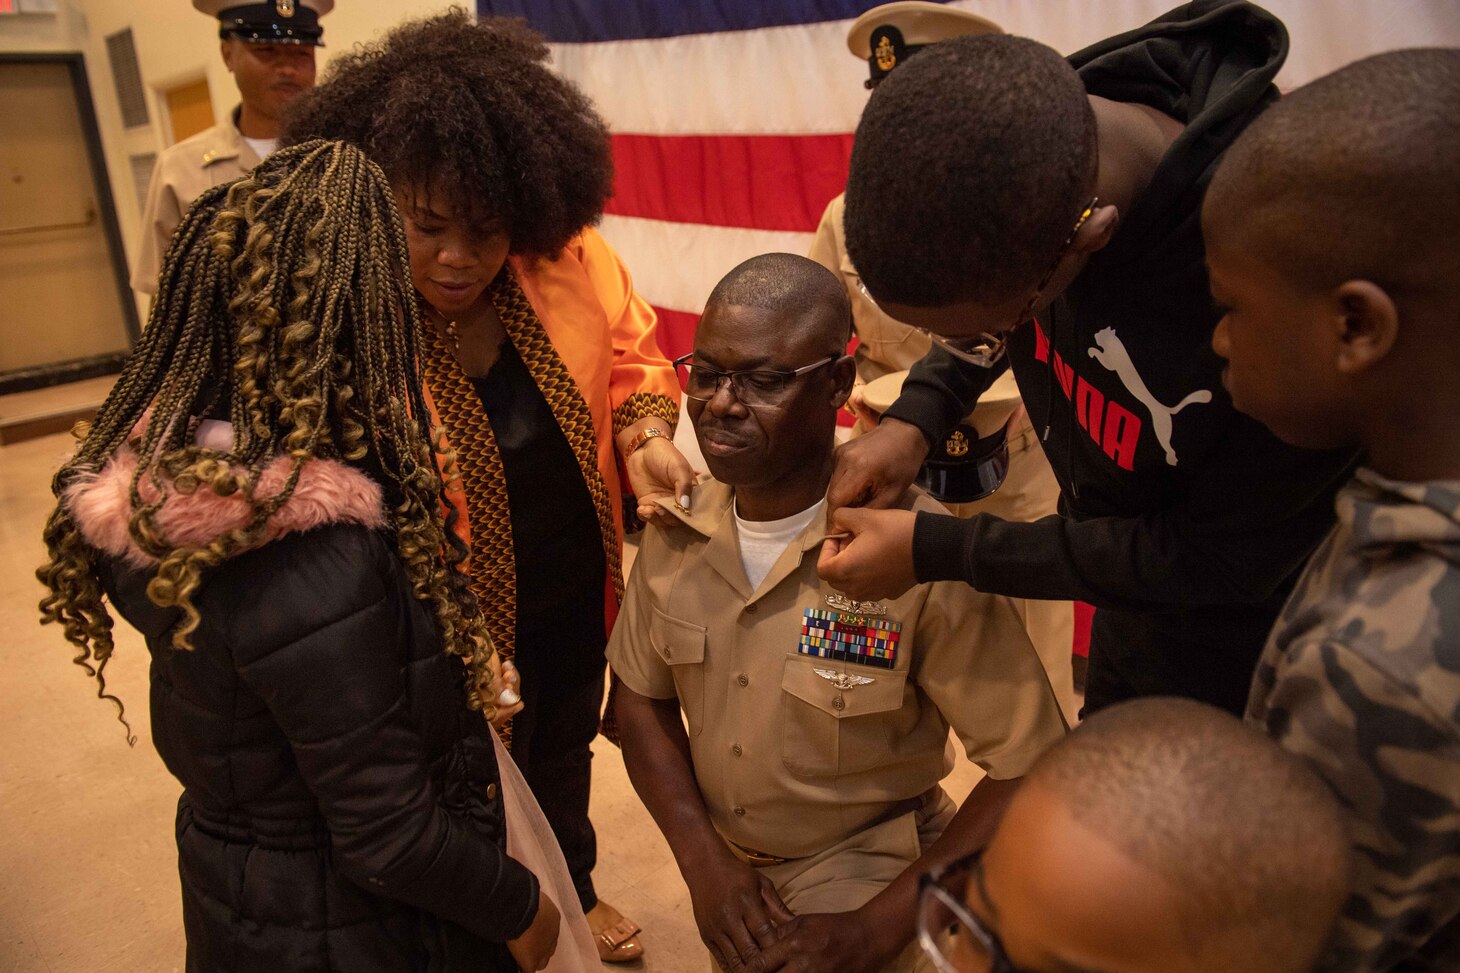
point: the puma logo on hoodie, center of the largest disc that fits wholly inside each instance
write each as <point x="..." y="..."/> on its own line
<point x="1110" y="352"/>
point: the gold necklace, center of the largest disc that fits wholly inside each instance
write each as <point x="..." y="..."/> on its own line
<point x="452" y="329"/>
<point x="452" y="334"/>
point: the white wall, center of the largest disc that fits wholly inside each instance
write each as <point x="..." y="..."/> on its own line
<point x="174" y="44"/>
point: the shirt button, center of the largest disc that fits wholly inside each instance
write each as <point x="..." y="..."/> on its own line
<point x="838" y="703"/>
<point x="751" y="609"/>
<point x="743" y="679"/>
<point x="739" y="811"/>
<point x="491" y="792"/>
<point x="667" y="652"/>
<point x="736" y="750"/>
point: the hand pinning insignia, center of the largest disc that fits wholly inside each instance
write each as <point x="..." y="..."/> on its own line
<point x="843" y="680"/>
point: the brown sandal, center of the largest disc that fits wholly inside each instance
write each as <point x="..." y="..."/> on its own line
<point x="619" y="942"/>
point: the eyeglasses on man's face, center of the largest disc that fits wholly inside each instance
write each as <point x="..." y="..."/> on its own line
<point x="752" y="387"/>
<point x="950" y="933"/>
<point x="986" y="349"/>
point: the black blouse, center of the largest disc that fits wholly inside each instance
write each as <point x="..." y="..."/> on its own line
<point x="560" y="564"/>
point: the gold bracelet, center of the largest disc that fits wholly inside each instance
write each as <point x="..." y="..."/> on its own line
<point x="653" y="432"/>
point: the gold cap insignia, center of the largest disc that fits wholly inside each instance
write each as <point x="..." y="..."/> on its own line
<point x="956" y="445"/>
<point x="886" y="54"/>
<point x="284" y="7"/>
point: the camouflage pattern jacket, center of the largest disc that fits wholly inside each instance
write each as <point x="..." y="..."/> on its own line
<point x="1361" y="677"/>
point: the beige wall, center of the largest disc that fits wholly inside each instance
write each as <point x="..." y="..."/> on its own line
<point x="174" y="43"/>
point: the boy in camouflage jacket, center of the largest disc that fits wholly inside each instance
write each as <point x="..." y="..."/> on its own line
<point x="1333" y="240"/>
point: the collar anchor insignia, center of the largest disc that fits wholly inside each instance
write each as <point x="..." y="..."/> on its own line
<point x="843" y="680"/>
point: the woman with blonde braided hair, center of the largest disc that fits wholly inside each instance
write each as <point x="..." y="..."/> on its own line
<point x="539" y="355"/>
<point x="259" y="497"/>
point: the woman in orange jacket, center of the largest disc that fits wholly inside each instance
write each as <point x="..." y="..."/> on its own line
<point x="540" y="357"/>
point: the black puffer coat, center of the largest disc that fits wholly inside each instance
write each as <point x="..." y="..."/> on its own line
<point x="341" y="809"/>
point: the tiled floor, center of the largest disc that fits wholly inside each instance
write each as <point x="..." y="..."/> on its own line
<point x="87" y="861"/>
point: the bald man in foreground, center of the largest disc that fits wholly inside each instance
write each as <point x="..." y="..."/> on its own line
<point x="803" y="799"/>
<point x="1162" y="836"/>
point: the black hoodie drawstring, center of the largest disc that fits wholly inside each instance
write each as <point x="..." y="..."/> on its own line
<point x="1072" y="430"/>
<point x="1049" y="378"/>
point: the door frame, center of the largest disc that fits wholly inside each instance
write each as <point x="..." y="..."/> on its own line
<point x="55" y="373"/>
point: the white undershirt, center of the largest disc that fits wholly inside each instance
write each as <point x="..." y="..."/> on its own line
<point x="763" y="541"/>
<point x="262" y="147"/>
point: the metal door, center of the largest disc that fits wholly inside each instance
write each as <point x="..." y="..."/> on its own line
<point x="65" y="310"/>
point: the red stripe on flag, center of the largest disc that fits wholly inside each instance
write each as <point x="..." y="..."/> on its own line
<point x="676" y="332"/>
<point x="762" y="182"/>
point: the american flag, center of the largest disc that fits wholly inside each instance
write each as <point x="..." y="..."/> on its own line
<point x="731" y="127"/>
<point x="732" y="120"/>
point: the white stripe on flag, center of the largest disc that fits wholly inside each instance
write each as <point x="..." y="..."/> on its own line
<point x="778" y="81"/>
<point x="676" y="265"/>
<point x="801" y="79"/>
<point x="794" y="80"/>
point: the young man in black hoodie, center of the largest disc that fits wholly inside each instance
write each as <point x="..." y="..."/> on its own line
<point x="992" y="180"/>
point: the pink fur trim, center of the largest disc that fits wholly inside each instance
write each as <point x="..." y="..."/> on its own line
<point x="328" y="492"/>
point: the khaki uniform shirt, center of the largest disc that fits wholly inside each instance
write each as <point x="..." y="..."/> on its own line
<point x="184" y="172"/>
<point x="795" y="751"/>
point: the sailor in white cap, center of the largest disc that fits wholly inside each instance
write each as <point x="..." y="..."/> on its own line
<point x="886" y="36"/>
<point x="269" y="49"/>
<point x="992" y="462"/>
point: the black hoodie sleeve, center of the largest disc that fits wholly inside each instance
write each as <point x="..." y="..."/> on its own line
<point x="1242" y="528"/>
<point x="940" y="390"/>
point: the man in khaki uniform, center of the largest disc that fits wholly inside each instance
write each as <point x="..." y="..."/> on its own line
<point x="800" y="794"/>
<point x="999" y="446"/>
<point x="269" y="49"/>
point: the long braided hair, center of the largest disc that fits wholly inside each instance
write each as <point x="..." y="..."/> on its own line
<point x="285" y="304"/>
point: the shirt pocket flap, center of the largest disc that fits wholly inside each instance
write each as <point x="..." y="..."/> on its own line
<point x="678" y="642"/>
<point x="843" y="691"/>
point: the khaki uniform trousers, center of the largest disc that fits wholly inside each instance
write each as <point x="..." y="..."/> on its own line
<point x="848" y="874"/>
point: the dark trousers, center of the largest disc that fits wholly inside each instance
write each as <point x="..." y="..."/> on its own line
<point x="1134" y="655"/>
<point x="550" y="743"/>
